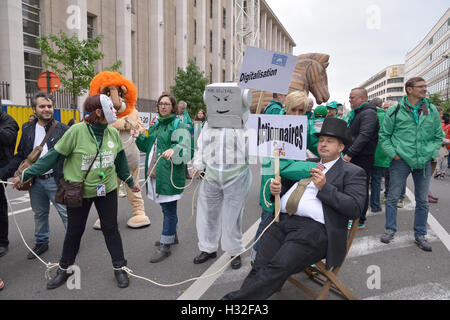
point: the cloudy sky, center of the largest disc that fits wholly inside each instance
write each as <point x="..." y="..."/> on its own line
<point x="361" y="36"/>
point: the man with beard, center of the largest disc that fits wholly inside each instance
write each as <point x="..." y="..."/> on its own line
<point x="44" y="187"/>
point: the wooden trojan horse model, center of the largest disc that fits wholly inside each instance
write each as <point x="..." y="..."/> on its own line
<point x="309" y="75"/>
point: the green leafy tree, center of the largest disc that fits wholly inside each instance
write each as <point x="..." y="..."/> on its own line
<point x="189" y="86"/>
<point x="437" y="101"/>
<point x="73" y="60"/>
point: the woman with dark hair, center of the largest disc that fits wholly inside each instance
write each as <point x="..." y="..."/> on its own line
<point x="201" y="116"/>
<point x="93" y="148"/>
<point x="168" y="140"/>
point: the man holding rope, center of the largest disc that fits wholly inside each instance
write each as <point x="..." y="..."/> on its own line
<point x="313" y="222"/>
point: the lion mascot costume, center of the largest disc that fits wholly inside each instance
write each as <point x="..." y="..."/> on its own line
<point x="123" y="93"/>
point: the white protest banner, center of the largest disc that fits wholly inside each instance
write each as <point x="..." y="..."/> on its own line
<point x="285" y="135"/>
<point x="267" y="70"/>
<point x="145" y="119"/>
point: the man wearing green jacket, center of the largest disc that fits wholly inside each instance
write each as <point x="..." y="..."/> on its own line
<point x="276" y="105"/>
<point x="411" y="137"/>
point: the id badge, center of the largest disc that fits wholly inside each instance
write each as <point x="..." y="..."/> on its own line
<point x="101" y="190"/>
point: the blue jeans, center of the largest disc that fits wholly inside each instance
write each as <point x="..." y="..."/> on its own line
<point x="375" y="187"/>
<point x="41" y="194"/>
<point x="170" y="224"/>
<point x="399" y="172"/>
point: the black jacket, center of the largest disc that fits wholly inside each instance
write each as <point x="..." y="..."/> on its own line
<point x="343" y="198"/>
<point x="8" y="137"/>
<point x="364" y="132"/>
<point x="26" y="147"/>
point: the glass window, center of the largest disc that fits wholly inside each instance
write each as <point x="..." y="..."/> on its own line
<point x="31" y="27"/>
<point x="90" y="27"/>
<point x="30" y="41"/>
<point x="32" y="60"/>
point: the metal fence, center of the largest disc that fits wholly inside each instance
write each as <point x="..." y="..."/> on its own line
<point x="62" y="99"/>
<point x="4" y="90"/>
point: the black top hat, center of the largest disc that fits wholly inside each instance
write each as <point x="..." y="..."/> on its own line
<point x="334" y="127"/>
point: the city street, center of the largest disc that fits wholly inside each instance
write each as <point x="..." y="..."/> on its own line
<point x="405" y="272"/>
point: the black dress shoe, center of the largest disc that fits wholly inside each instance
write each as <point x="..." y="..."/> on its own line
<point x="59" y="280"/>
<point x="204" y="256"/>
<point x="38" y="249"/>
<point x="3" y="251"/>
<point x="122" y="278"/>
<point x="236" y="263"/>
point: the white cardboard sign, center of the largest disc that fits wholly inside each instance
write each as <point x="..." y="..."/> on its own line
<point x="285" y="135"/>
<point x="267" y="70"/>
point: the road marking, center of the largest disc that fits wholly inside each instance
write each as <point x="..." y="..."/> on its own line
<point x="441" y="233"/>
<point x="199" y="287"/>
<point x="423" y="291"/>
<point x="20" y="211"/>
<point x="365" y="246"/>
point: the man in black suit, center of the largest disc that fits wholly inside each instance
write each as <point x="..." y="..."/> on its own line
<point x="316" y="226"/>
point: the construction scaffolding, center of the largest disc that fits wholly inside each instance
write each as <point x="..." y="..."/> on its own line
<point x="247" y="29"/>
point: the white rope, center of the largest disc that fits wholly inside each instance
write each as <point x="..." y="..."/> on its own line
<point x="129" y="271"/>
<point x="48" y="265"/>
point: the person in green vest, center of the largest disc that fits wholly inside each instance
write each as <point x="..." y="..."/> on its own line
<point x="95" y="145"/>
<point x="168" y="140"/>
<point x="184" y="116"/>
<point x="296" y="105"/>
<point x="276" y="105"/>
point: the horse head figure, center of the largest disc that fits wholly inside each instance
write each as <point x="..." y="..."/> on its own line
<point x="309" y="75"/>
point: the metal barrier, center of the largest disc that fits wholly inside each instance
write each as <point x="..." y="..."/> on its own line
<point x="22" y="114"/>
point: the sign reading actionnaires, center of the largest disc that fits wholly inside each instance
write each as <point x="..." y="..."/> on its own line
<point x="267" y="70"/>
<point x="285" y="135"/>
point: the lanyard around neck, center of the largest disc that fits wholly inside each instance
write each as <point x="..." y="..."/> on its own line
<point x="98" y="148"/>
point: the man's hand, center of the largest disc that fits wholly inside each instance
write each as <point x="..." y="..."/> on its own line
<point x="16" y="181"/>
<point x="319" y="178"/>
<point x="275" y="187"/>
<point x="347" y="158"/>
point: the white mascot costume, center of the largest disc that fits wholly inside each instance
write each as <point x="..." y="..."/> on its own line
<point x="222" y="153"/>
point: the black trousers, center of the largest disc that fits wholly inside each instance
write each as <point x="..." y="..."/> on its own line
<point x="288" y="247"/>
<point x="77" y="218"/>
<point x="3" y="218"/>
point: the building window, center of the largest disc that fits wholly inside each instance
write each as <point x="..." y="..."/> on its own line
<point x="210" y="41"/>
<point x="224" y="49"/>
<point x="224" y="18"/>
<point x="32" y="54"/>
<point x="195" y="31"/>
<point x="90" y="27"/>
<point x="223" y="75"/>
<point x="210" y="73"/>
<point x="211" y="8"/>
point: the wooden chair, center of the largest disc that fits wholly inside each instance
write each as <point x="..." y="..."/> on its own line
<point x="328" y="278"/>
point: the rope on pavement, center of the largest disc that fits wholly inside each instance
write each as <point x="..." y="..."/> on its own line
<point x="129" y="271"/>
<point x="48" y="265"/>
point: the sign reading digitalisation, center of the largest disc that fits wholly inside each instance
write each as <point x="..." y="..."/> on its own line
<point x="285" y="135"/>
<point x="267" y="70"/>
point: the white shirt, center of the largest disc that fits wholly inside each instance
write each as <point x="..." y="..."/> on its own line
<point x="39" y="136"/>
<point x="309" y="206"/>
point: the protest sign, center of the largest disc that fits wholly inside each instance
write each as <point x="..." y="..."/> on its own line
<point x="267" y="70"/>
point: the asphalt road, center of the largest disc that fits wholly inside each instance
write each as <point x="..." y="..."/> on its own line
<point x="404" y="271"/>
